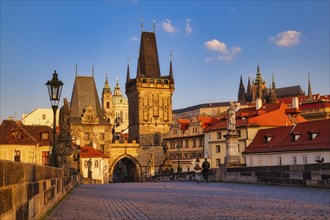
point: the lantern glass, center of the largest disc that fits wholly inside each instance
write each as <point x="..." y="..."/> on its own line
<point x="54" y="89"/>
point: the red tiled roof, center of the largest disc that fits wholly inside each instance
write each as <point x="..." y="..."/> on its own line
<point x="207" y="121"/>
<point x="184" y="124"/>
<point x="268" y="115"/>
<point x="12" y="132"/>
<point x="282" y="138"/>
<point x="90" y="152"/>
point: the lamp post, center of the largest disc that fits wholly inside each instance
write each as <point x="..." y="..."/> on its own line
<point x="54" y="89"/>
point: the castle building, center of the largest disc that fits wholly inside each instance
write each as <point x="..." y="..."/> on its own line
<point x="149" y="95"/>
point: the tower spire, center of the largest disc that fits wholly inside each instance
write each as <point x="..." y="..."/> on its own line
<point x="171" y="68"/>
<point x="273" y="82"/>
<point x="241" y="92"/>
<point x="128" y="77"/>
<point x="310" y="95"/>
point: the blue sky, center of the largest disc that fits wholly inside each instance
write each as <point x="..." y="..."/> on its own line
<point x="213" y="43"/>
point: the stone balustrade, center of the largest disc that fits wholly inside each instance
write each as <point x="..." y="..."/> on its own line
<point x="29" y="191"/>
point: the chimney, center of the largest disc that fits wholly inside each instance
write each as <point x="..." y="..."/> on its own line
<point x="258" y="103"/>
<point x="295" y="102"/>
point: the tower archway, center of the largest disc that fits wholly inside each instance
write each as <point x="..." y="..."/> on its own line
<point x="125" y="169"/>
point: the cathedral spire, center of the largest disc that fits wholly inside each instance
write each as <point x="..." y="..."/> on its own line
<point x="241" y="92"/>
<point x="258" y="75"/>
<point x="310" y="94"/>
<point x="273" y="82"/>
<point x="171" y="68"/>
<point x="128" y="77"/>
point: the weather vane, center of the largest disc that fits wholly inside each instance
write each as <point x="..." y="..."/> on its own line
<point x="141" y="24"/>
<point x="154" y="25"/>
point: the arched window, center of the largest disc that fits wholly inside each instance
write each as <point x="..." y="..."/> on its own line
<point x="96" y="163"/>
<point x="108" y="105"/>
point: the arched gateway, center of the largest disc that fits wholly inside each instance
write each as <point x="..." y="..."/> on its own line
<point x="125" y="169"/>
<point x="131" y="162"/>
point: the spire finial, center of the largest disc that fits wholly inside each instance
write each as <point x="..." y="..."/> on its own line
<point x="171" y="53"/>
<point x="141" y="24"/>
<point x="154" y="25"/>
<point x="93" y="70"/>
<point x="76" y="70"/>
<point x="117" y="80"/>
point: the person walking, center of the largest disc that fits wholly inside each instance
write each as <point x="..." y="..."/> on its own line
<point x="198" y="170"/>
<point x="206" y="170"/>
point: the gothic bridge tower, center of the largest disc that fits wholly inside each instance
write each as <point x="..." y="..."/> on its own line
<point x="149" y="95"/>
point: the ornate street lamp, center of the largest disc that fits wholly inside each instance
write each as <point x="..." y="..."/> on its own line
<point x="54" y="89"/>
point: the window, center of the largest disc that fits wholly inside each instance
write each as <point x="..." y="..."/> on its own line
<point x="279" y="160"/>
<point x="239" y="133"/>
<point x="217" y="162"/>
<point x="108" y="105"/>
<point x="96" y="163"/>
<point x="85" y="164"/>
<point x="101" y="136"/>
<point x="87" y="136"/>
<point x="270" y="161"/>
<point x="294" y="160"/>
<point x="251" y="161"/>
<point x="304" y="159"/>
<point x="194" y="142"/>
<point x="43" y="116"/>
<point x="201" y="142"/>
<point x="194" y="130"/>
<point x="17" y="156"/>
<point x="219" y="136"/>
<point x="217" y="149"/>
<point x="102" y="147"/>
<point x="259" y="161"/>
<point x="44" y="135"/>
<point x="45" y="157"/>
<point x="318" y="157"/>
<point x="187" y="143"/>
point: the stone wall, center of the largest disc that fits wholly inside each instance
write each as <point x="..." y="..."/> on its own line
<point x="28" y="191"/>
<point x="312" y="175"/>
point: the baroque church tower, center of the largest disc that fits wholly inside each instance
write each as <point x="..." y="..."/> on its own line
<point x="107" y="100"/>
<point x="149" y="95"/>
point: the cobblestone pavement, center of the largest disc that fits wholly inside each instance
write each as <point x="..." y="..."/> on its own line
<point x="189" y="200"/>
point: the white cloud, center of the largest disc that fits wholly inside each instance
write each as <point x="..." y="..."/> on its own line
<point x="286" y="38"/>
<point x="222" y="50"/>
<point x="167" y="26"/>
<point x="188" y="26"/>
<point x="134" y="38"/>
<point x="216" y="45"/>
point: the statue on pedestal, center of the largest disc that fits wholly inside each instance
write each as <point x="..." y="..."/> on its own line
<point x="166" y="166"/>
<point x="231" y="118"/>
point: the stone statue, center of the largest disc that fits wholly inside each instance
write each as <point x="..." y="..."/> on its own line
<point x="231" y="120"/>
<point x="89" y="164"/>
<point x="165" y="150"/>
<point x="64" y="120"/>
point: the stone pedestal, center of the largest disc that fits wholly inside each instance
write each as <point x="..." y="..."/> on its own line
<point x="232" y="158"/>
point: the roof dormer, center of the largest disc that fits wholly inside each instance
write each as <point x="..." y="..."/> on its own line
<point x="268" y="138"/>
<point x="312" y="134"/>
<point x="295" y="136"/>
